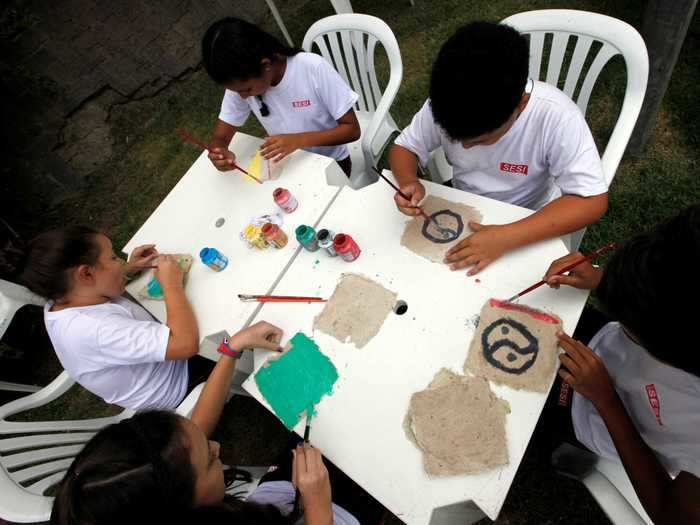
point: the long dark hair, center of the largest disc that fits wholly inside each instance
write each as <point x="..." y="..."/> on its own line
<point x="139" y="471"/>
<point x="647" y="287"/>
<point x="232" y="49"/>
<point x="42" y="264"/>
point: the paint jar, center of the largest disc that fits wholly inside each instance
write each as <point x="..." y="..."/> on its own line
<point x="325" y="241"/>
<point x="153" y="288"/>
<point x="306" y="236"/>
<point x="274" y="235"/>
<point x="254" y="237"/>
<point x="346" y="247"/>
<point x="285" y="200"/>
<point x="213" y="258"/>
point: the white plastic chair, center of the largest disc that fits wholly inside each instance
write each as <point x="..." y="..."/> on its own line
<point x="12" y="298"/>
<point x="617" y="38"/>
<point x="35" y="455"/>
<point x="348" y="42"/>
<point x="607" y="482"/>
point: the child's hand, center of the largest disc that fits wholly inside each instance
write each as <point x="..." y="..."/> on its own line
<point x="278" y="147"/>
<point x="310" y="476"/>
<point x="416" y="191"/>
<point x="258" y="335"/>
<point x="222" y="159"/>
<point x="168" y="272"/>
<point x="141" y="256"/>
<point x="480" y="249"/>
<point x="585" y="372"/>
<point x="585" y="275"/>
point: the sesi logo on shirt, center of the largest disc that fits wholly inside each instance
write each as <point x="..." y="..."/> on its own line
<point x="654" y="402"/>
<point x="301" y="103"/>
<point x="514" y="168"/>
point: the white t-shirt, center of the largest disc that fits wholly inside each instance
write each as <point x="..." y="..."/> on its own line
<point x="548" y="151"/>
<point x="281" y="495"/>
<point x="310" y="97"/>
<point x="117" y="351"/>
<point x="662" y="401"/>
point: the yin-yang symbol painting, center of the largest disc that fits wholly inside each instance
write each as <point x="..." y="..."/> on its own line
<point x="509" y="346"/>
<point x="515" y="345"/>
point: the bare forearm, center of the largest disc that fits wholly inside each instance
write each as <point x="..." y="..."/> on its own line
<point x="404" y="164"/>
<point x="211" y="401"/>
<point x="341" y="134"/>
<point x="222" y="135"/>
<point x="650" y="480"/>
<point x="184" y="334"/>
<point x="561" y="216"/>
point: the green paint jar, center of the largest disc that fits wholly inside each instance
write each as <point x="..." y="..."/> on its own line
<point x="306" y="236"/>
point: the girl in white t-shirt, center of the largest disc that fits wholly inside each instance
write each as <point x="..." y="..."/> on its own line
<point x="299" y="99"/>
<point x="637" y="388"/>
<point x="107" y="343"/>
<point x="166" y="469"/>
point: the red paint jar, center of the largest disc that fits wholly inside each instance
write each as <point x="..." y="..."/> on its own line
<point x="346" y="247"/>
<point x="285" y="200"/>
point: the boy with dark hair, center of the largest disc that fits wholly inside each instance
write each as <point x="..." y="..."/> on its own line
<point x="507" y="137"/>
<point x="637" y="387"/>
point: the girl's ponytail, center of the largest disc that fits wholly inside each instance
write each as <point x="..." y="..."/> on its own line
<point x="41" y="265"/>
<point x="232" y="49"/>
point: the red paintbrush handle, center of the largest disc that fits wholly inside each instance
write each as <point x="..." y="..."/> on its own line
<point x="569" y="267"/>
<point x="285" y="299"/>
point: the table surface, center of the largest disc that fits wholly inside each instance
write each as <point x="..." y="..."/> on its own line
<point x="359" y="426"/>
<point x="185" y="223"/>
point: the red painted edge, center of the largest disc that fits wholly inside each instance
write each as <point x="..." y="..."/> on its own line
<point x="540" y="316"/>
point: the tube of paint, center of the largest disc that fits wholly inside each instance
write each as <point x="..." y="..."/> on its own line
<point x="285" y="200"/>
<point x="325" y="241"/>
<point x="274" y="235"/>
<point x="346" y="247"/>
<point x="213" y="258"/>
<point x="306" y="236"/>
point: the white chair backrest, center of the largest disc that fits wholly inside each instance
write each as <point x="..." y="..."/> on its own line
<point x="348" y="42"/>
<point x="12" y="298"/>
<point x="615" y="36"/>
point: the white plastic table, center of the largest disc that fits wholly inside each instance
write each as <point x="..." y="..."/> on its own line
<point x="185" y="222"/>
<point x="359" y="426"/>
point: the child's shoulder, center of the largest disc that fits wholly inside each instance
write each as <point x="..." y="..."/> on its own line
<point x="548" y="98"/>
<point x="310" y="61"/>
<point x="96" y="312"/>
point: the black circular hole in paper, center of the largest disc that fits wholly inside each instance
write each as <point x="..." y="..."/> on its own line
<point x="451" y="223"/>
<point x="400" y="308"/>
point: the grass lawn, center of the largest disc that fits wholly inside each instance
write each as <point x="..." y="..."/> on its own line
<point x="149" y="159"/>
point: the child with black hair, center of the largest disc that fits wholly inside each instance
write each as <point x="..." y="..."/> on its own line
<point x="637" y="383"/>
<point x="106" y="342"/>
<point x="300" y="100"/>
<point x="159" y="467"/>
<point x="507" y="137"/>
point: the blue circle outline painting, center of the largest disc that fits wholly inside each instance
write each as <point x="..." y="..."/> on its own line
<point x="529" y="351"/>
<point x="452" y="234"/>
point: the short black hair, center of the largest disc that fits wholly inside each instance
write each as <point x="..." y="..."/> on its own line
<point x="478" y="79"/>
<point x="232" y="49"/>
<point x="651" y="288"/>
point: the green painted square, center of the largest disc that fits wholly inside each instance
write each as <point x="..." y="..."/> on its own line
<point x="297" y="380"/>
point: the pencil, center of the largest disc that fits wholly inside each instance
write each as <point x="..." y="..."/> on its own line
<point x="599" y="251"/>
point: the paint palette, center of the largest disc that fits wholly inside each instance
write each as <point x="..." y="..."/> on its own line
<point x="297" y="380"/>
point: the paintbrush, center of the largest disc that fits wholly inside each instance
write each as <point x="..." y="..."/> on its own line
<point x="279" y="299"/>
<point x="445" y="233"/>
<point x="599" y="251"/>
<point x="307" y="431"/>
<point x="187" y="137"/>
